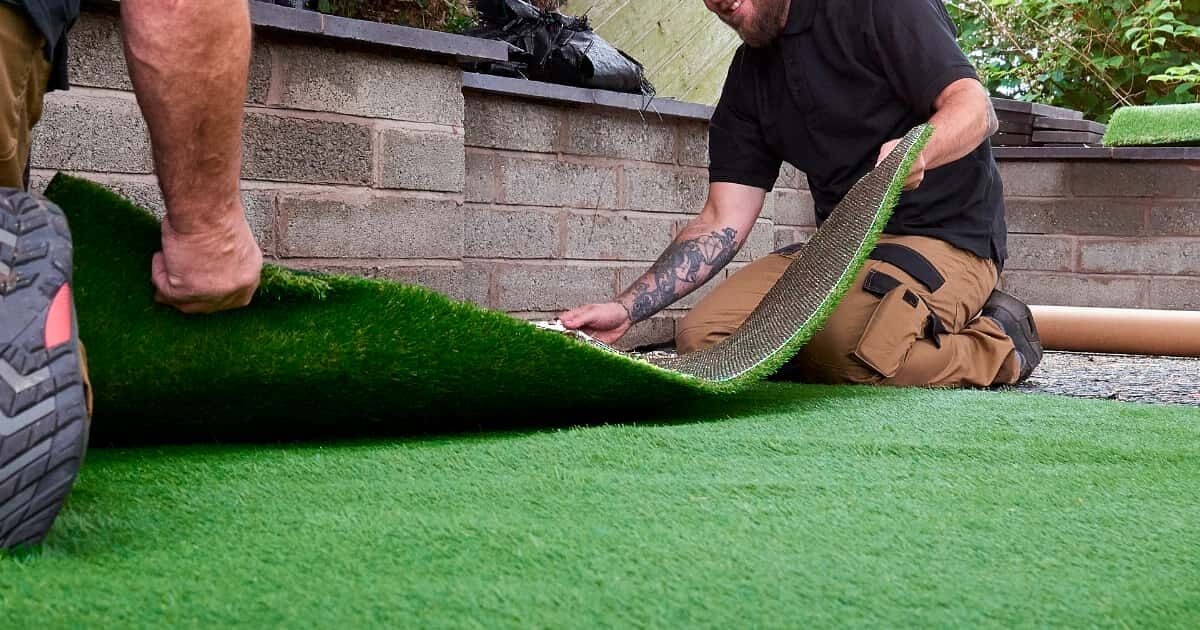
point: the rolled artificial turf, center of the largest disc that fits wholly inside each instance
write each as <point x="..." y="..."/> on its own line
<point x="778" y="505"/>
<point x="1172" y="125"/>
<point x="787" y="506"/>
<point x="317" y="354"/>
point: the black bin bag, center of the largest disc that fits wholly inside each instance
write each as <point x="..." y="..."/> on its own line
<point x="555" y="48"/>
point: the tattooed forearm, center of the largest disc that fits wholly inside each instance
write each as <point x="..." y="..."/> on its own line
<point x="688" y="263"/>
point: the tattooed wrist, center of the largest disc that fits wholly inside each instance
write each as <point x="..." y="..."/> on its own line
<point x="626" y="307"/>
<point x="685" y="265"/>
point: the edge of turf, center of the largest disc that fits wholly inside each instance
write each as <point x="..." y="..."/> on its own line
<point x="279" y="284"/>
<point x="817" y="322"/>
<point x="1154" y="125"/>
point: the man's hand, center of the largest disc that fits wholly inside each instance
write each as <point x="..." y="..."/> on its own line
<point x="915" y="176"/>
<point x="207" y="271"/>
<point x="605" y="322"/>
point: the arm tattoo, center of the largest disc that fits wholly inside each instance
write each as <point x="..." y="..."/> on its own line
<point x="692" y="261"/>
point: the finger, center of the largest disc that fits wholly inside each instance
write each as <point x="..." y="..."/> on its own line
<point x="579" y="317"/>
<point x="604" y="336"/>
<point x="610" y="336"/>
<point x="158" y="276"/>
<point x="158" y="272"/>
<point x="568" y="317"/>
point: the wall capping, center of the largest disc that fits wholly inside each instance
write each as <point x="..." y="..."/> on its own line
<point x="305" y="22"/>
<point x="567" y="94"/>
<point x="1173" y="154"/>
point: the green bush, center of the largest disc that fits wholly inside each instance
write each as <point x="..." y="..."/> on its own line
<point x="1089" y="55"/>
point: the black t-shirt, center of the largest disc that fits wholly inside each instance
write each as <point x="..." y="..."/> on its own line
<point x="52" y="18"/>
<point x="845" y="77"/>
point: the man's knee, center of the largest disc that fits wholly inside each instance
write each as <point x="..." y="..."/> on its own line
<point x="830" y="356"/>
<point x="696" y="333"/>
<point x="726" y="308"/>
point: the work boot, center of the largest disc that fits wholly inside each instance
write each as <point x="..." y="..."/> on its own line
<point x="1017" y="321"/>
<point x="43" y="404"/>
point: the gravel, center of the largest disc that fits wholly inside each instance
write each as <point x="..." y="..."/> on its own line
<point x="1126" y="378"/>
<point x="1156" y="380"/>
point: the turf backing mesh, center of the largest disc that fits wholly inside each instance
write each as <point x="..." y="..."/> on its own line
<point x="804" y="297"/>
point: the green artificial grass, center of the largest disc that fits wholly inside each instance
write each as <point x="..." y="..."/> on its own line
<point x="1173" y="125"/>
<point x="787" y="506"/>
<point x="317" y="355"/>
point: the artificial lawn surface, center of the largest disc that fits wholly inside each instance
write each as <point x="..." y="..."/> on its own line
<point x="1175" y="125"/>
<point x="317" y="355"/>
<point x="787" y="506"/>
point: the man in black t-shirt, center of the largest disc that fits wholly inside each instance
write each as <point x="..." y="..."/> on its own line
<point x="828" y="86"/>
<point x="188" y="62"/>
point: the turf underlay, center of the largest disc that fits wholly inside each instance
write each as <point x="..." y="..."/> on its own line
<point x="1169" y="125"/>
<point x="796" y="506"/>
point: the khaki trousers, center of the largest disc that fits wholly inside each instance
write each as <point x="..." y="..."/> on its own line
<point x="24" y="75"/>
<point x="874" y="340"/>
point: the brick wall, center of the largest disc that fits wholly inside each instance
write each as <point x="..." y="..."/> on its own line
<point x="569" y="204"/>
<point x="1104" y="233"/>
<point x="373" y="162"/>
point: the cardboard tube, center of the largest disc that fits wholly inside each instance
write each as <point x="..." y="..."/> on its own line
<point x="1118" y="330"/>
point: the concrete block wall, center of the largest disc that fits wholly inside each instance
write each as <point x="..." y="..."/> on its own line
<point x="569" y="204"/>
<point x="1104" y="233"/>
<point x="376" y="162"/>
<point x="353" y="158"/>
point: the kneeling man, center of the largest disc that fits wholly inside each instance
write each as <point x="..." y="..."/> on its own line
<point x="828" y="86"/>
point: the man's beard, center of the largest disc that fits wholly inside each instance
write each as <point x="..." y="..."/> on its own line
<point x="766" y="23"/>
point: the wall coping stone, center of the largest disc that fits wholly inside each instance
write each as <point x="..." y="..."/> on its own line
<point x="552" y="92"/>
<point x="306" y="22"/>
<point x="1098" y="153"/>
<point x="585" y="96"/>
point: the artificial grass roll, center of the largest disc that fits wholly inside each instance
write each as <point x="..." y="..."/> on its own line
<point x="317" y="354"/>
<point x="1172" y="125"/>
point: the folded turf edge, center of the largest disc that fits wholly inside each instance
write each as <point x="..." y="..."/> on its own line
<point x="318" y="353"/>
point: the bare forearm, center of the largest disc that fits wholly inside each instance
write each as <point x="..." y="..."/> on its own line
<point x="701" y="250"/>
<point x="964" y="119"/>
<point x="189" y="64"/>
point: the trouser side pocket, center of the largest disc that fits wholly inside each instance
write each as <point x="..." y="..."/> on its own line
<point x="900" y="319"/>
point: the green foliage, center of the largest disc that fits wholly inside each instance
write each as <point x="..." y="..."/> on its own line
<point x="1087" y="55"/>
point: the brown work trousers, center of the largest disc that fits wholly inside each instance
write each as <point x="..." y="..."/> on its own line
<point x="881" y="341"/>
<point x="24" y="75"/>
